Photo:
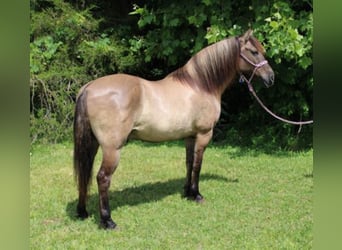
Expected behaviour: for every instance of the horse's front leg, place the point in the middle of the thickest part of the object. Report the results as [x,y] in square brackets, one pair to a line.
[200,144]
[109,163]
[189,147]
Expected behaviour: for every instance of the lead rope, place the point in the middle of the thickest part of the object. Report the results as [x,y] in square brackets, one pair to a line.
[251,89]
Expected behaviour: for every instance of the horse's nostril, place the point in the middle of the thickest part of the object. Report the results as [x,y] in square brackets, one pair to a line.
[272,78]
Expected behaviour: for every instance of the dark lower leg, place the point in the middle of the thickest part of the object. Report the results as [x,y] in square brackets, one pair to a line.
[103,181]
[194,189]
[109,163]
[201,142]
[190,144]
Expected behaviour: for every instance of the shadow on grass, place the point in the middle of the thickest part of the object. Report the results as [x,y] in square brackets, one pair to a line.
[133,196]
[238,150]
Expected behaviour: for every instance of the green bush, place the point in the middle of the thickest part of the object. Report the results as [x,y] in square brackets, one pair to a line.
[66,51]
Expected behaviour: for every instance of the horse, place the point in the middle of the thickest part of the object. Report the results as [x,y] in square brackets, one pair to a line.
[186,104]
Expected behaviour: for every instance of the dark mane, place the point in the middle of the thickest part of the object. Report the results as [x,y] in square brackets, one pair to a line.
[211,68]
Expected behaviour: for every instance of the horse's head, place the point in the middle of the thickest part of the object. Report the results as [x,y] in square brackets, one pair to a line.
[252,58]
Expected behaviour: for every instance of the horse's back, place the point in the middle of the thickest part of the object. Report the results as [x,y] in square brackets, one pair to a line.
[118,83]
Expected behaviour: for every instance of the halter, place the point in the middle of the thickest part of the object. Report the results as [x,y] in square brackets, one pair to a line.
[251,89]
[256,65]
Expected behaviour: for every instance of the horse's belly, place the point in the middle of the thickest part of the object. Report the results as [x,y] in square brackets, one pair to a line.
[162,131]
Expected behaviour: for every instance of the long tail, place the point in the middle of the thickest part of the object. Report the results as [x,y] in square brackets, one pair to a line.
[85,145]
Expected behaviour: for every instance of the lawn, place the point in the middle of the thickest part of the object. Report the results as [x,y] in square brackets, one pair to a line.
[253,200]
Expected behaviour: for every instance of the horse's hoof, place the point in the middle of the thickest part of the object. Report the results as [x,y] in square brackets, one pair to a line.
[199,199]
[82,214]
[108,224]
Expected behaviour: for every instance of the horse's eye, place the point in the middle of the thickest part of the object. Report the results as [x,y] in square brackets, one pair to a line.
[254,52]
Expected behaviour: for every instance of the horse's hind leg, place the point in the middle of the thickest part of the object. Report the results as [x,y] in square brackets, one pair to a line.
[110,161]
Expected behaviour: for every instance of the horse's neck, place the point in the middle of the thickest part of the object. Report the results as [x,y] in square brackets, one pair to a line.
[227,78]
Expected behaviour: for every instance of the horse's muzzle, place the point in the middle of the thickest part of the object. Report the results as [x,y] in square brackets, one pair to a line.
[269,81]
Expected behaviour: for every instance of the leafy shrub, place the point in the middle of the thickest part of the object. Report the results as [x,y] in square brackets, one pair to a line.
[66,51]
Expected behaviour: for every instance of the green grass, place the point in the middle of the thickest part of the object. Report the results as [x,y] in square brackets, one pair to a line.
[253,200]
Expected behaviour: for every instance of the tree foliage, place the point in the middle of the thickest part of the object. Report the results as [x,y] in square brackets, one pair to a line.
[68,49]
[73,42]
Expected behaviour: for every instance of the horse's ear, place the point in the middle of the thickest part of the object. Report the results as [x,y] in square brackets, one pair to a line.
[245,37]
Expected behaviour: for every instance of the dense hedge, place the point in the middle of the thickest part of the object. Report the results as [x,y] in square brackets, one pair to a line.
[73,42]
